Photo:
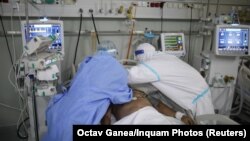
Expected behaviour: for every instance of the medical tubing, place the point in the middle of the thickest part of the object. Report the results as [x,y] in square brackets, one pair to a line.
[35,110]
[203,41]
[240,105]
[162,5]
[19,127]
[217,7]
[241,94]
[10,107]
[7,43]
[12,36]
[93,19]
[240,81]
[190,32]
[208,7]
[79,34]
[212,40]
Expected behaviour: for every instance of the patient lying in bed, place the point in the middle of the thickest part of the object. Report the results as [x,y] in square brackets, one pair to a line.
[141,111]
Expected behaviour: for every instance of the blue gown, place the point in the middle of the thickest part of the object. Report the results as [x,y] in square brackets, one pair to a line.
[100,80]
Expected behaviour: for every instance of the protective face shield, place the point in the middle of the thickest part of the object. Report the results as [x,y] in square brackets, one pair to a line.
[144,52]
[109,47]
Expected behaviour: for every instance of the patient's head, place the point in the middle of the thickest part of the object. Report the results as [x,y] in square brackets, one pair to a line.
[144,52]
[109,47]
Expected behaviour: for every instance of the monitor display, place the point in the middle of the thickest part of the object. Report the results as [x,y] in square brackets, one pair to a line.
[232,40]
[173,43]
[44,29]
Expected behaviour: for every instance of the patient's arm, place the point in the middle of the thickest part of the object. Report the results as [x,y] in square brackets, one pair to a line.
[164,109]
[122,110]
[106,119]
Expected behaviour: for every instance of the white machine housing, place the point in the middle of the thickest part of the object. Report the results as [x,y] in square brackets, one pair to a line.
[222,91]
[44,66]
[221,64]
[232,40]
[173,43]
[45,29]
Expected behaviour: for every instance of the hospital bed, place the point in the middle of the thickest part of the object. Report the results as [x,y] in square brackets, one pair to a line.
[208,119]
[211,119]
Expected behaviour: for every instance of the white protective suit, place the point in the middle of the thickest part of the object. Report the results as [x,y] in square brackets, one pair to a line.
[176,79]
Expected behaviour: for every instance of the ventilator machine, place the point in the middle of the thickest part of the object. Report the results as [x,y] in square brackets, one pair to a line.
[43,51]
[220,65]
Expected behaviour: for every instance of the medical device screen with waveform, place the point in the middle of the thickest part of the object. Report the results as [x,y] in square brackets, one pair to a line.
[173,43]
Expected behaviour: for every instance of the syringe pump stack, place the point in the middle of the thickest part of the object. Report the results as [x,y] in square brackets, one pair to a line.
[42,65]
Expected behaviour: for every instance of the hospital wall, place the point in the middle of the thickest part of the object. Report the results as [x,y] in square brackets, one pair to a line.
[110,26]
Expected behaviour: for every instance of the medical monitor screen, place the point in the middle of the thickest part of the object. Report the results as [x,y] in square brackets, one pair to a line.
[45,30]
[233,41]
[173,43]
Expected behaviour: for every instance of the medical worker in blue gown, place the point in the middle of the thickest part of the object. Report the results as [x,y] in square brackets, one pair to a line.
[100,80]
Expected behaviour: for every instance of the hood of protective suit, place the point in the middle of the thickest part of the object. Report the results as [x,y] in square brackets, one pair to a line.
[144,52]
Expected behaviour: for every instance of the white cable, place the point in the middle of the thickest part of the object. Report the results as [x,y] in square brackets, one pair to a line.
[16,74]
[12,35]
[11,68]
[20,19]
[20,96]
[23,99]
[13,47]
[10,79]
[14,52]
[18,90]
[7,106]
[22,116]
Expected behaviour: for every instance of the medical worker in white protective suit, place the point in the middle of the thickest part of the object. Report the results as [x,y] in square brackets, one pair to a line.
[173,77]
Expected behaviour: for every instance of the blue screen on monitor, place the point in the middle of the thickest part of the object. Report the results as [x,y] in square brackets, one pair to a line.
[45,30]
[233,39]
